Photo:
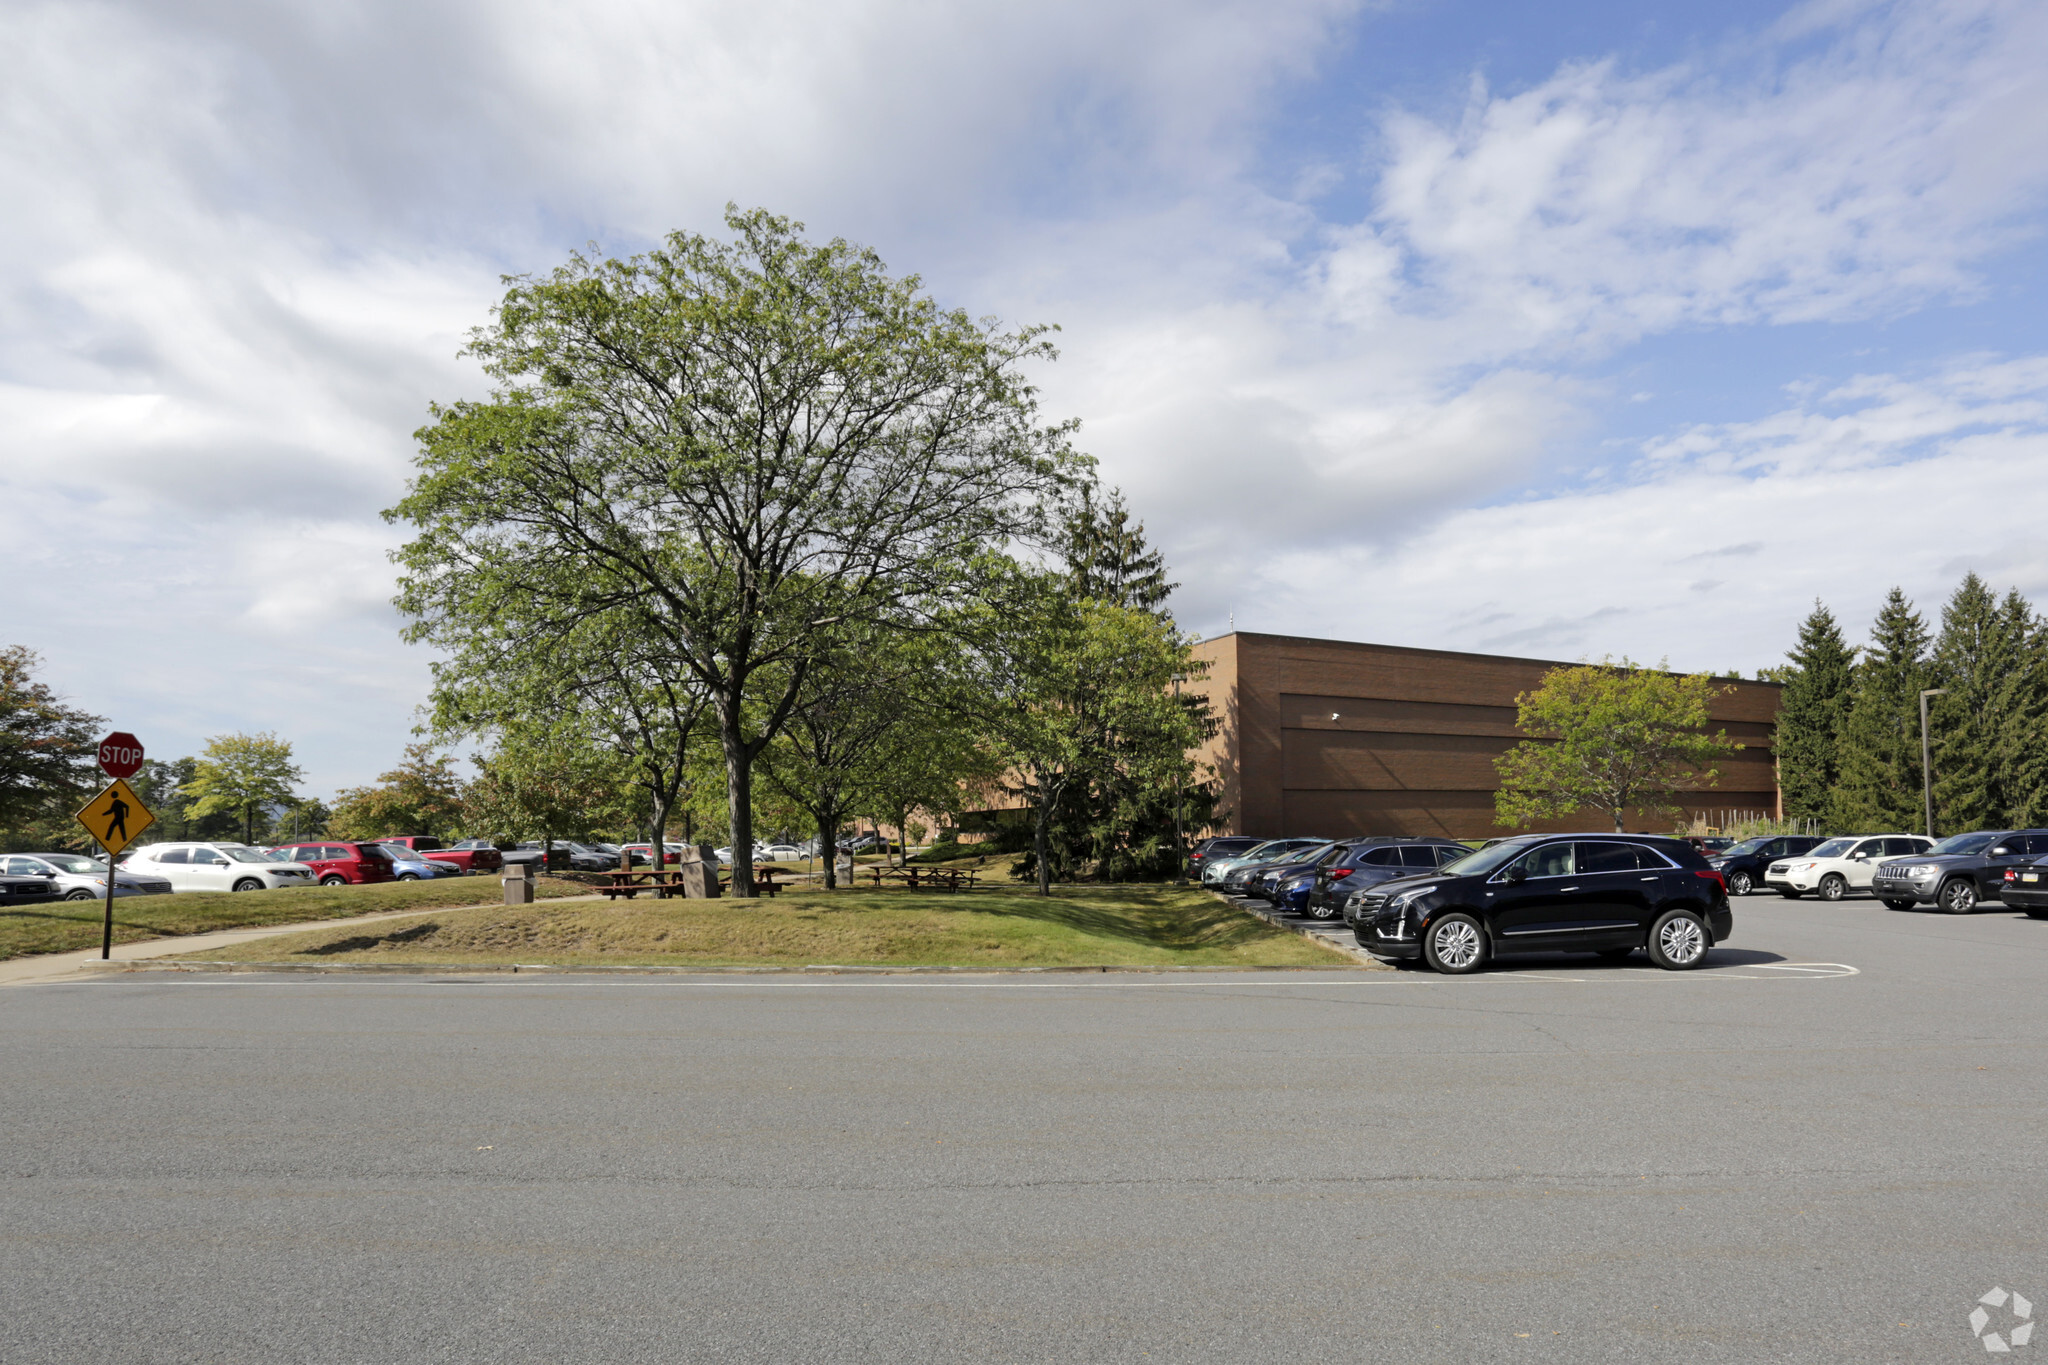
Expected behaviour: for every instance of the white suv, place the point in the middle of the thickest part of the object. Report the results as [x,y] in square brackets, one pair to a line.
[216,867]
[1840,866]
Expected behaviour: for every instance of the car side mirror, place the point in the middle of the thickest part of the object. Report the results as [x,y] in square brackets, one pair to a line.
[2000,852]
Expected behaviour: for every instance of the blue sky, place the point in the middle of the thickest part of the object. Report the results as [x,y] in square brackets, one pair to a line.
[1559,330]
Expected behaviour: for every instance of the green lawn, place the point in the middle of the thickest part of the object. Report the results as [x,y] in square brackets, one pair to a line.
[1001,927]
[61,926]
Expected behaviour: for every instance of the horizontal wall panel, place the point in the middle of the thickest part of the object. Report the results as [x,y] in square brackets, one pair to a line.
[1461,815]
[1331,760]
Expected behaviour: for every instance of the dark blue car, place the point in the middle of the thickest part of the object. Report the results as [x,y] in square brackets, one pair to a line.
[1266,883]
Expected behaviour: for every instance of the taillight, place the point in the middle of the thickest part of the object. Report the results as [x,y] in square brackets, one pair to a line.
[2012,874]
[1337,872]
[1711,876]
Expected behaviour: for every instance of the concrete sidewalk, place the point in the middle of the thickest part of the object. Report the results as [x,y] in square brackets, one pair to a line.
[23,971]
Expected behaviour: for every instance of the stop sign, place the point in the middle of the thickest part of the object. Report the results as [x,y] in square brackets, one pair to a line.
[121,754]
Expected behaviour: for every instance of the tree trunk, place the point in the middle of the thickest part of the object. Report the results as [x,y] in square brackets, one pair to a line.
[828,843]
[1038,841]
[739,799]
[657,847]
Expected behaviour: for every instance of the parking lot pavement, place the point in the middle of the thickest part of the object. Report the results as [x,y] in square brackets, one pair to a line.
[1828,1146]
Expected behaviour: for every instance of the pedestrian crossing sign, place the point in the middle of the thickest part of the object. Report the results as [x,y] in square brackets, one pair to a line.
[115,817]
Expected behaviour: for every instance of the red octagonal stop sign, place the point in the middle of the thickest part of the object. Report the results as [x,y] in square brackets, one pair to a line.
[121,754]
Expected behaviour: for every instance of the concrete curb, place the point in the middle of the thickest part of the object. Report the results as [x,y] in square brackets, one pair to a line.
[1338,936]
[555,969]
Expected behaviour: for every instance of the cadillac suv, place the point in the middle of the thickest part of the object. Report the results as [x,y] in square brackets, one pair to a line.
[1607,894]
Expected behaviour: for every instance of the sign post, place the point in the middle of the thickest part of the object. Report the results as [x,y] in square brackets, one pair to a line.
[116,816]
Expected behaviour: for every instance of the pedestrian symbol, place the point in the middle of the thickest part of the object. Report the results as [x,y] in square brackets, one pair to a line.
[115,817]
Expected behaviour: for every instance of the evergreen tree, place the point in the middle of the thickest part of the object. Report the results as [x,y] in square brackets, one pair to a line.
[1977,651]
[2020,751]
[1810,718]
[1109,560]
[1879,751]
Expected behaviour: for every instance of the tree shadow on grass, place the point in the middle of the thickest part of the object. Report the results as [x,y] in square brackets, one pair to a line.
[1156,916]
[364,942]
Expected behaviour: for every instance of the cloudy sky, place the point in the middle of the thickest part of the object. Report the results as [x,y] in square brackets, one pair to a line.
[1562,330]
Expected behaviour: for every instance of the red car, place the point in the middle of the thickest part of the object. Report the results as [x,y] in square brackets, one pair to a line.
[337,864]
[468,856]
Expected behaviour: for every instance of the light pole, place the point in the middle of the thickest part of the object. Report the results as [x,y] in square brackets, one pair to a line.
[1927,756]
[1180,839]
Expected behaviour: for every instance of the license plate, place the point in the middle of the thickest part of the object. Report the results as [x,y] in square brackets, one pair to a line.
[2030,876]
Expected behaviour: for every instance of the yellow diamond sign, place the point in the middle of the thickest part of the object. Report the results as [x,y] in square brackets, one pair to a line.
[115,817]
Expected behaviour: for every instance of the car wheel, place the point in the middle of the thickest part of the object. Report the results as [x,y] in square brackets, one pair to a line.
[1324,912]
[1959,897]
[1678,941]
[408,876]
[1740,883]
[334,879]
[1894,903]
[1455,945]
[81,894]
[1833,888]
[249,884]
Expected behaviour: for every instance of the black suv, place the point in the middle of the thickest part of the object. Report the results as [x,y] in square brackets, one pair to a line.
[1742,866]
[1367,862]
[1958,872]
[1608,894]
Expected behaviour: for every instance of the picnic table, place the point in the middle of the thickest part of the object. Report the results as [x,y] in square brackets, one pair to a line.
[667,882]
[951,878]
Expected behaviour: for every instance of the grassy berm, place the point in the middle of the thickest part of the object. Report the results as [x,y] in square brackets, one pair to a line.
[62,926]
[1109,926]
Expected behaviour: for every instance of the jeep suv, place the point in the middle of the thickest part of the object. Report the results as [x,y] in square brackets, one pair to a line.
[1960,871]
[1742,866]
[1607,894]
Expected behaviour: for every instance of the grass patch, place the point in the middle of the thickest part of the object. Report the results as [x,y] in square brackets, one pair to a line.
[62,926]
[1077,926]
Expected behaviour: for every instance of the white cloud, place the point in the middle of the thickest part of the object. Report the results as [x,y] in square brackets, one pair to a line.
[1711,544]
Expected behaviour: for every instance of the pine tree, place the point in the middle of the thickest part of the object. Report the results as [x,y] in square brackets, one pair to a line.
[2020,752]
[1109,559]
[1879,786]
[1976,652]
[1810,718]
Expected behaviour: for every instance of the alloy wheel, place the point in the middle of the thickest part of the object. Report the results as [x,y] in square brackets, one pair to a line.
[1833,888]
[1455,943]
[1959,898]
[1739,884]
[1682,940]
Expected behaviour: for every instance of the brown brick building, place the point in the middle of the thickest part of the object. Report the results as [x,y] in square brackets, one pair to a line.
[1334,738]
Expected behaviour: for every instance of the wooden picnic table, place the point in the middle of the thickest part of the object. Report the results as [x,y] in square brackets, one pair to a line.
[951,878]
[667,882]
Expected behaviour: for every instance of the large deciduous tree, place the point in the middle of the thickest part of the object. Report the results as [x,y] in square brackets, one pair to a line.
[242,775]
[1810,715]
[46,747]
[739,447]
[422,795]
[1613,736]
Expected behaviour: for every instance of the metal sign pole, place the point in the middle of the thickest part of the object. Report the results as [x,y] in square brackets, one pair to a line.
[107,929]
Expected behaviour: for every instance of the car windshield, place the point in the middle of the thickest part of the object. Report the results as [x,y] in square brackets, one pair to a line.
[243,855]
[1749,845]
[398,853]
[1833,848]
[72,862]
[1963,843]
[1485,860]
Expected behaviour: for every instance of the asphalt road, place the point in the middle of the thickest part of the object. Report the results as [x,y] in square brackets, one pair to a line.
[1566,1162]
